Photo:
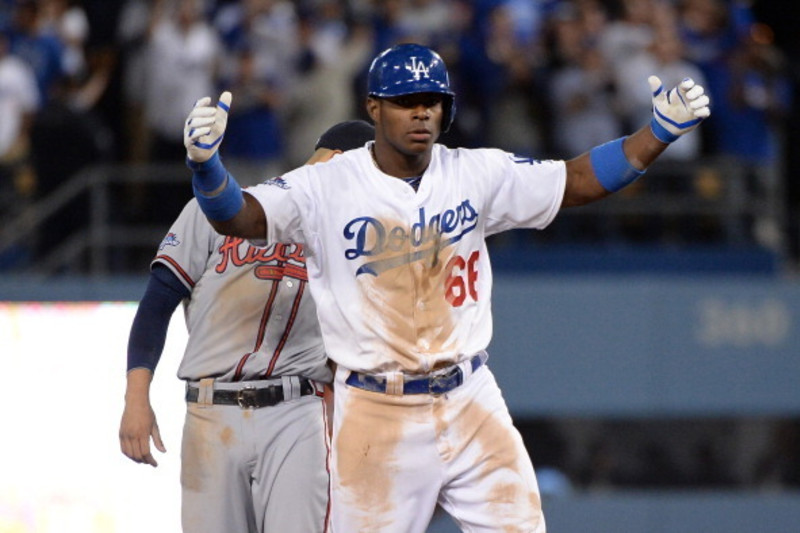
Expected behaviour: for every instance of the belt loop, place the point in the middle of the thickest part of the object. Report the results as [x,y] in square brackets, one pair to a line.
[394,383]
[291,387]
[467,365]
[466,368]
[205,392]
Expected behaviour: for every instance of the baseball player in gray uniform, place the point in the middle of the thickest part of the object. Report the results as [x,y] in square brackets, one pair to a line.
[255,441]
[398,266]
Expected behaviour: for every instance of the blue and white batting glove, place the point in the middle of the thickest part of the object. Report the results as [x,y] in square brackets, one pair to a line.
[678,111]
[205,127]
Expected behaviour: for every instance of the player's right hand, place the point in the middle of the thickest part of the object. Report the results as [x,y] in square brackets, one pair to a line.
[205,127]
[678,111]
[138,425]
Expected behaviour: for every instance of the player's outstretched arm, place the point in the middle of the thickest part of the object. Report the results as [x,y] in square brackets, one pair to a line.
[611,166]
[220,197]
[248,223]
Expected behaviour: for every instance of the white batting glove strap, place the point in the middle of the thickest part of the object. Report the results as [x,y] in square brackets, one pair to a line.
[678,111]
[205,127]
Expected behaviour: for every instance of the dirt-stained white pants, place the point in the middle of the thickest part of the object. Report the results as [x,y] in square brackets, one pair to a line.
[395,457]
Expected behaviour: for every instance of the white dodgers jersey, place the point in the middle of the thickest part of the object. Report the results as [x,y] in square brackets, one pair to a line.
[401,279]
[250,315]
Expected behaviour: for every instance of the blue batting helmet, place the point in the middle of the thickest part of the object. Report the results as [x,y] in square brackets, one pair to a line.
[410,69]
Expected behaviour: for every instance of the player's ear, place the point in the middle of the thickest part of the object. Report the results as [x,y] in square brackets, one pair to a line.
[326,154]
[372,108]
[321,155]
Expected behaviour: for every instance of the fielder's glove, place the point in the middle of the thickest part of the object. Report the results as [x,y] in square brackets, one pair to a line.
[205,127]
[677,111]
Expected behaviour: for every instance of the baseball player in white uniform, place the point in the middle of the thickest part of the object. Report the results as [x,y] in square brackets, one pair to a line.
[255,441]
[398,266]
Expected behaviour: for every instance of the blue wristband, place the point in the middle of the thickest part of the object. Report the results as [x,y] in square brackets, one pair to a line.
[661,133]
[612,168]
[208,177]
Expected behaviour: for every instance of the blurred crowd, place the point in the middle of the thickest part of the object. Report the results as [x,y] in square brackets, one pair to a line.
[756,453]
[98,81]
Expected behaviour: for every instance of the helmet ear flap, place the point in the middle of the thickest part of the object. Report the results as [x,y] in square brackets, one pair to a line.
[448,112]
[409,69]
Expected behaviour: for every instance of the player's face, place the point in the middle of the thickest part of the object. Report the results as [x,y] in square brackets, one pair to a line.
[410,123]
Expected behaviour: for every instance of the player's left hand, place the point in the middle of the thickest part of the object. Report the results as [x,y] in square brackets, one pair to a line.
[678,111]
[205,127]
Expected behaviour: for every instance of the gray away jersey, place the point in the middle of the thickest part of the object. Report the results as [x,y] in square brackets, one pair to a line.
[250,314]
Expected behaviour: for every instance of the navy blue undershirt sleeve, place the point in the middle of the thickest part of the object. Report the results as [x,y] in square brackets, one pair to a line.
[149,330]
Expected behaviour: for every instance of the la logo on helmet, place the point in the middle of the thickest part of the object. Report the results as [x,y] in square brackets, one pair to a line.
[418,68]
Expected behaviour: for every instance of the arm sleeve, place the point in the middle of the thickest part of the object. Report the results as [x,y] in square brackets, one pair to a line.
[522,192]
[285,207]
[149,330]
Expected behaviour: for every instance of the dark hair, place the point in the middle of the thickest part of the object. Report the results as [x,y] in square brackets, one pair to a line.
[346,136]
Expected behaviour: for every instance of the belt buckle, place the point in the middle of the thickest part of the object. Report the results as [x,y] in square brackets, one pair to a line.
[442,383]
[246,397]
